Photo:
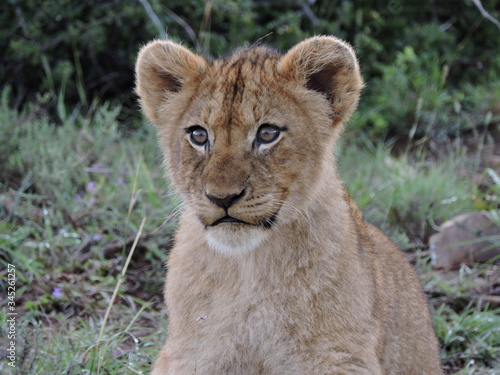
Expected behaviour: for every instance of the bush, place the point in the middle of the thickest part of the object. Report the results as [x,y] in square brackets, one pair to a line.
[80,53]
[414,97]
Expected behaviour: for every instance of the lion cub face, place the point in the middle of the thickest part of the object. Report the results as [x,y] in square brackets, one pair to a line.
[246,138]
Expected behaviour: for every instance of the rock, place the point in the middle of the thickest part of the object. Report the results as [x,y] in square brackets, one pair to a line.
[467,238]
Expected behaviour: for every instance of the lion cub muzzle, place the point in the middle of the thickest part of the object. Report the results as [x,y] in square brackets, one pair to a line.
[226,201]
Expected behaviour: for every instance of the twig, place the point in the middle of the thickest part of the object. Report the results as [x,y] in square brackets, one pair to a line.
[22,21]
[309,13]
[189,30]
[154,18]
[205,23]
[485,14]
[259,41]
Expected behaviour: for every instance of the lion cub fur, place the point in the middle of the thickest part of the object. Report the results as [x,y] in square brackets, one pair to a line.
[296,282]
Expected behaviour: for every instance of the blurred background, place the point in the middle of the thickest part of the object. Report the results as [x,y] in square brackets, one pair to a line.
[80,170]
[437,54]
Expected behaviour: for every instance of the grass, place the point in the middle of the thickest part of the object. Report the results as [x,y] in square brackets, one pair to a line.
[407,189]
[470,337]
[127,346]
[89,268]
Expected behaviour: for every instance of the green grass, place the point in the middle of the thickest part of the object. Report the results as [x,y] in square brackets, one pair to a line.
[407,189]
[67,346]
[72,199]
[471,337]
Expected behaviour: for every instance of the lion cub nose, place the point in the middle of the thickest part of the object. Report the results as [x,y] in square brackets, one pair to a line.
[226,201]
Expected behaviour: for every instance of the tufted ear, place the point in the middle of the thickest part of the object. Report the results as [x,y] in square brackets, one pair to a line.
[161,70]
[327,65]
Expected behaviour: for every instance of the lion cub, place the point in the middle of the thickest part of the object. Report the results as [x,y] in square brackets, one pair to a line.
[274,270]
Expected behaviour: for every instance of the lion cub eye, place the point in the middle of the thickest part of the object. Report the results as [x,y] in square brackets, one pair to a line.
[197,135]
[267,133]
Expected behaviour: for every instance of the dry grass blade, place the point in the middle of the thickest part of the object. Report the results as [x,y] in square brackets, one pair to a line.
[115,293]
[134,193]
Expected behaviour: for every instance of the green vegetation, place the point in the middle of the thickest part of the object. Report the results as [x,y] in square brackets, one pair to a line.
[80,171]
[415,190]
[68,228]
[418,59]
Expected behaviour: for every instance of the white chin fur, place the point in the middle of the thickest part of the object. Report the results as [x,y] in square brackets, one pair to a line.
[233,241]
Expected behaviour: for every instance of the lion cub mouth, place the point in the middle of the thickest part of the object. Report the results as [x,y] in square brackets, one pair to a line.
[229,219]
[265,223]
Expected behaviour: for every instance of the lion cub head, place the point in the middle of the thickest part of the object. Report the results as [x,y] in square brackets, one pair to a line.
[248,138]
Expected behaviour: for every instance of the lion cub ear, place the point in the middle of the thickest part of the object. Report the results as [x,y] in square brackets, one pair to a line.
[327,65]
[162,68]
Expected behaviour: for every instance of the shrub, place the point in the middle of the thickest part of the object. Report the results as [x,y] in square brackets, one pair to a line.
[85,51]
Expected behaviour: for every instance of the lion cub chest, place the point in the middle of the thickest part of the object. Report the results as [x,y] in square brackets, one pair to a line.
[249,326]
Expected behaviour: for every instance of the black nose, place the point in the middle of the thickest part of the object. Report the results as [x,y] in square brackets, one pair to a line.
[227,201]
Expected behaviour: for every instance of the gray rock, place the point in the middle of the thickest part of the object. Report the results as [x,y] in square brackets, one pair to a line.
[467,238]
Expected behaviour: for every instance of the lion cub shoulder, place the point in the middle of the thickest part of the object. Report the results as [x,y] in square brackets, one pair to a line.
[274,270]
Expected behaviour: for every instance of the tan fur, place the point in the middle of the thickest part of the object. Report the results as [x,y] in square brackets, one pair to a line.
[306,286]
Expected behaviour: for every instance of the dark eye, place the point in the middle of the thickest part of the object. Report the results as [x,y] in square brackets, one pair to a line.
[267,133]
[198,135]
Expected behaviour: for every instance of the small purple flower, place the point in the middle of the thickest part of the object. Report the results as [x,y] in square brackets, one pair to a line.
[91,186]
[96,237]
[57,292]
[78,197]
[119,182]
[97,166]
